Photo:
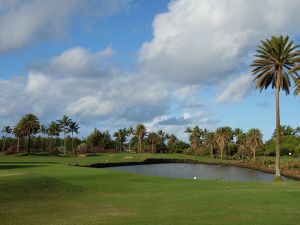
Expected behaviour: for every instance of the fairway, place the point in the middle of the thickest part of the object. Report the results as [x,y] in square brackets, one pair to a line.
[46,190]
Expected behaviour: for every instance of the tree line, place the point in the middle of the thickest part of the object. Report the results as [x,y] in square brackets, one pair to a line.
[60,137]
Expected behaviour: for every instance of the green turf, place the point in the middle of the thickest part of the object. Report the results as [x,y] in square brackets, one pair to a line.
[45,190]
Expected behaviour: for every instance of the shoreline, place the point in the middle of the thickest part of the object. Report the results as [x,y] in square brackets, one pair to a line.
[285,173]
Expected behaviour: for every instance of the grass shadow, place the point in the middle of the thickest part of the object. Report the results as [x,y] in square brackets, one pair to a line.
[18,166]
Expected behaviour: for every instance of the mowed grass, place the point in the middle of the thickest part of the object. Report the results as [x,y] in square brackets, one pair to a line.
[46,190]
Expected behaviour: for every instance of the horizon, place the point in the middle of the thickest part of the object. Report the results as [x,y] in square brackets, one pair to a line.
[118,63]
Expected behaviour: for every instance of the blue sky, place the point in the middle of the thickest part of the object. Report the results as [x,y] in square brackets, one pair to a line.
[116,63]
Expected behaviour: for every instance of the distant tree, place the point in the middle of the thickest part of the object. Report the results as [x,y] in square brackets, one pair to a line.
[140,133]
[254,140]
[6,131]
[121,138]
[153,139]
[272,66]
[242,143]
[53,131]
[64,125]
[172,143]
[106,140]
[18,134]
[195,136]
[210,141]
[95,139]
[223,137]
[43,131]
[28,126]
[73,128]
[286,130]
[237,132]
[130,132]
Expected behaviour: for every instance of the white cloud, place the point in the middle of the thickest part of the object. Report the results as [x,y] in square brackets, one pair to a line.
[236,89]
[79,62]
[203,42]
[25,22]
[77,83]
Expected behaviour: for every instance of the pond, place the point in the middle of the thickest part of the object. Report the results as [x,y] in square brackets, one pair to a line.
[200,171]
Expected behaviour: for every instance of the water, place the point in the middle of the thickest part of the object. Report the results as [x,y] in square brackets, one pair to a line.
[200,171]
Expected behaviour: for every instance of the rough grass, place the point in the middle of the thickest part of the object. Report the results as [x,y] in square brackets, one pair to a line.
[45,190]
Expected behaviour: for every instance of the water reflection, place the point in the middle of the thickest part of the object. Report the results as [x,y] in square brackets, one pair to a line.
[200,171]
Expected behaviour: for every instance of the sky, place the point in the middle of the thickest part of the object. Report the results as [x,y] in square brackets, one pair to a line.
[117,63]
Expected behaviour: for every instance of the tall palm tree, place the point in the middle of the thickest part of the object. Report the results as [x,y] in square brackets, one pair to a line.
[223,137]
[130,131]
[172,143]
[210,141]
[254,140]
[140,132]
[121,138]
[18,134]
[28,126]
[64,125]
[153,139]
[6,131]
[54,130]
[272,67]
[242,143]
[73,128]
[195,135]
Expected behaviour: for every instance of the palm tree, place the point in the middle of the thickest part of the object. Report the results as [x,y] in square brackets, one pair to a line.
[54,130]
[140,132]
[64,125]
[223,137]
[272,66]
[210,141]
[254,140]
[153,139]
[172,143]
[242,143]
[18,134]
[6,131]
[195,135]
[73,128]
[297,85]
[43,130]
[121,137]
[28,125]
[130,131]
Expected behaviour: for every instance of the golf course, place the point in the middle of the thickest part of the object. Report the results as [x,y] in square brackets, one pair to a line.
[43,189]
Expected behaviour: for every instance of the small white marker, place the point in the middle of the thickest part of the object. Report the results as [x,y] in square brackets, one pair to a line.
[195,178]
[290,153]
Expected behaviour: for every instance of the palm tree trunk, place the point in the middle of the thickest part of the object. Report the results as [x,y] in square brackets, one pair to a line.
[152,147]
[278,132]
[222,149]
[28,145]
[211,151]
[140,144]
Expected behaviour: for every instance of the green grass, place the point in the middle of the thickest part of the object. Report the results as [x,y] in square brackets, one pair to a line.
[45,190]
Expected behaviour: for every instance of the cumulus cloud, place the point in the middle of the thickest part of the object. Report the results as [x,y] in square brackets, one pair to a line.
[235,90]
[203,42]
[23,22]
[77,83]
